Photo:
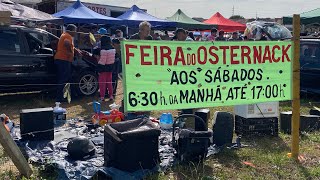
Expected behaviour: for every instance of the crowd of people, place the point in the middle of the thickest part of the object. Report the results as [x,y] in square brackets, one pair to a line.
[107,51]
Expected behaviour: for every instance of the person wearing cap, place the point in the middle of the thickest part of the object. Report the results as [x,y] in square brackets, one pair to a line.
[101,32]
[213,35]
[144,32]
[63,59]
[221,36]
[106,60]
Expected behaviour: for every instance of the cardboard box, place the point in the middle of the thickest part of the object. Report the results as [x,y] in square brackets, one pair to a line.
[5,18]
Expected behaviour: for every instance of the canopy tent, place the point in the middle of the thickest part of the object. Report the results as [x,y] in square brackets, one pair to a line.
[78,13]
[184,21]
[225,24]
[24,13]
[134,16]
[308,17]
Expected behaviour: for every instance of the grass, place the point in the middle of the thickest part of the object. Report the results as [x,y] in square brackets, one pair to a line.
[267,155]
[268,158]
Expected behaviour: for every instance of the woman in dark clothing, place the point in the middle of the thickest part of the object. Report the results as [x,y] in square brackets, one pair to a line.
[117,65]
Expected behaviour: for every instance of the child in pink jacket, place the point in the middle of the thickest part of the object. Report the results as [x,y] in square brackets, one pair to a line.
[105,67]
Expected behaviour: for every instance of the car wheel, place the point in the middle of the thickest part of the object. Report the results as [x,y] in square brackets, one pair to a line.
[87,84]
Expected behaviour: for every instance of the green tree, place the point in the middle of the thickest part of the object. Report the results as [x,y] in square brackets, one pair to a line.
[236,17]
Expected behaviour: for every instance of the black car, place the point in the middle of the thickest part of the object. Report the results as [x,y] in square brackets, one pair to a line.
[310,65]
[27,64]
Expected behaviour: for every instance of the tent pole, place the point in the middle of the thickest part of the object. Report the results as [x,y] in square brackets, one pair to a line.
[127,31]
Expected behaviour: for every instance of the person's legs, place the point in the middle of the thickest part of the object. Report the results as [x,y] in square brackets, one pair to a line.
[102,84]
[63,69]
[109,84]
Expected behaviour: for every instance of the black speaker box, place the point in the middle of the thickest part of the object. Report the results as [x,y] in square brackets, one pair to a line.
[308,123]
[314,112]
[37,124]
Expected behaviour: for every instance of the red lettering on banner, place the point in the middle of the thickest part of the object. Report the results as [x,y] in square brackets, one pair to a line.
[155,51]
[143,55]
[204,53]
[274,53]
[214,55]
[166,55]
[285,52]
[128,53]
[233,55]
[224,48]
[179,57]
[257,54]
[245,54]
[267,55]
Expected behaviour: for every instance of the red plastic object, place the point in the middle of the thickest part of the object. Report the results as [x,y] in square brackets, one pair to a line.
[103,119]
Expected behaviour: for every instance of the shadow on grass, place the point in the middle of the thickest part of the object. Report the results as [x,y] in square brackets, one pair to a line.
[268,144]
[304,171]
[192,171]
[79,106]
[228,158]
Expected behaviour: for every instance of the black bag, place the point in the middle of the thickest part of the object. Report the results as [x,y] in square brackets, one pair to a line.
[190,145]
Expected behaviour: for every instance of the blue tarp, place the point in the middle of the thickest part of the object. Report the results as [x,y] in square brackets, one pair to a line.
[134,16]
[78,13]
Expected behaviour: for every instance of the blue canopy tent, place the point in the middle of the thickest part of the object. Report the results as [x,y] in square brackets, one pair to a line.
[134,16]
[78,13]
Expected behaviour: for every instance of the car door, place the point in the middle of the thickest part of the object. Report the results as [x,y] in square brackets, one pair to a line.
[310,66]
[12,66]
[41,57]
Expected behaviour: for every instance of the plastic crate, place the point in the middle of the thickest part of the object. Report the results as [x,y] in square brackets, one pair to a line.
[256,126]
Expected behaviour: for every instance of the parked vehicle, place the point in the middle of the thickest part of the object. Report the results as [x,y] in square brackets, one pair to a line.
[310,65]
[27,64]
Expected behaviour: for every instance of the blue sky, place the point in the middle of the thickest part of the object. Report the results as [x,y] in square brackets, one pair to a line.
[206,8]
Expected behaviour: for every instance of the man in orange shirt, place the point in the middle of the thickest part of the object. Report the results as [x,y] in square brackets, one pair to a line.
[63,59]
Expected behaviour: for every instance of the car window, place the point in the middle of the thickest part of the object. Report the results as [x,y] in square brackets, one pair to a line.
[35,42]
[9,41]
[310,54]
[47,40]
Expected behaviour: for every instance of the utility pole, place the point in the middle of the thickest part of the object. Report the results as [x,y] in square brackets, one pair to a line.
[256,15]
[232,10]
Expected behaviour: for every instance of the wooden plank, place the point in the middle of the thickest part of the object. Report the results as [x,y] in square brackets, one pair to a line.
[296,88]
[13,151]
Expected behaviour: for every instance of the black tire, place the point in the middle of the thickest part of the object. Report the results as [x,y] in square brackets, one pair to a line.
[86,84]
[223,126]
